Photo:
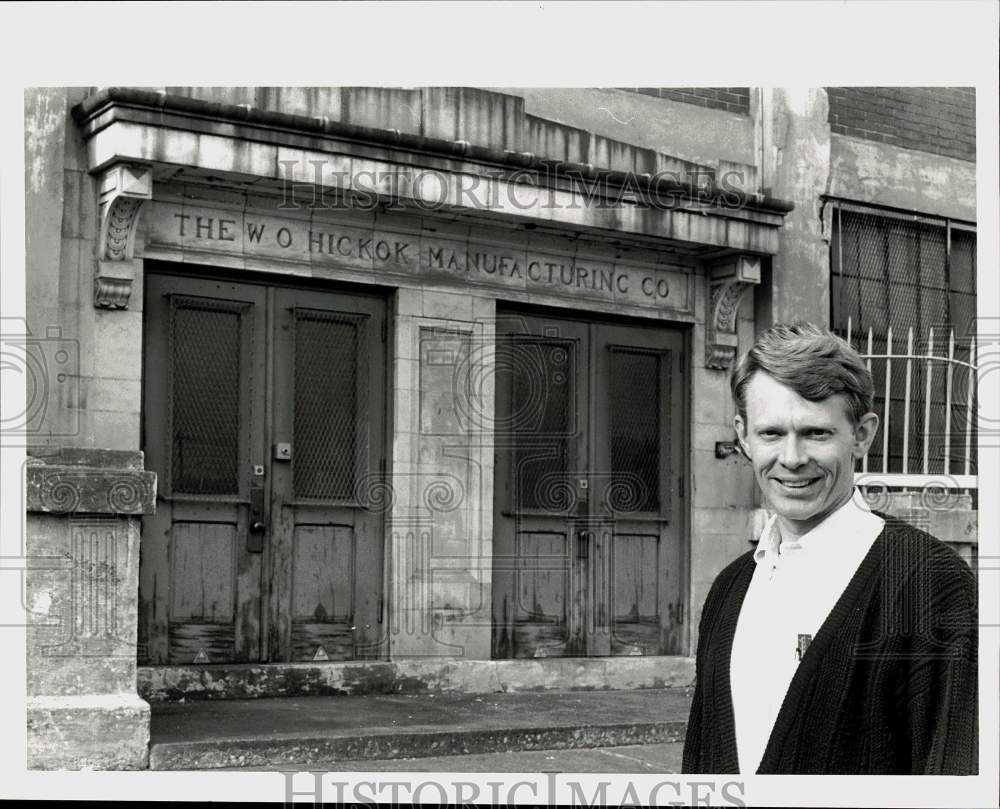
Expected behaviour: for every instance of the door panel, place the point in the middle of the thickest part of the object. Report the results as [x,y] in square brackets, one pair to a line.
[199,581]
[587,544]
[541,619]
[639,440]
[540,447]
[263,415]
[326,555]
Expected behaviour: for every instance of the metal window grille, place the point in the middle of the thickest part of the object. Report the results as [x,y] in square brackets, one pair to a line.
[903,293]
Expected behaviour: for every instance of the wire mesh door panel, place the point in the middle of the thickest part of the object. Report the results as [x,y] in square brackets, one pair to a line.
[200,575]
[325,557]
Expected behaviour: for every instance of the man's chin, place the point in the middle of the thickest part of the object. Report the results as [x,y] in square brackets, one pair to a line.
[793,509]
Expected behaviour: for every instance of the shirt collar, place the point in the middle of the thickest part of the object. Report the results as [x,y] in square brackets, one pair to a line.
[850,520]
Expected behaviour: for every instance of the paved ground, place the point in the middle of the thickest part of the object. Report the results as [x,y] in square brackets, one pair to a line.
[288,733]
[630,759]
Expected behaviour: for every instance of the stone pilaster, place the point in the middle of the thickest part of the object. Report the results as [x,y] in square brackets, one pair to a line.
[442,477]
[795,140]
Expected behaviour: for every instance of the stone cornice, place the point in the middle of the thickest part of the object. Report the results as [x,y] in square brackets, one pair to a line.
[123,104]
[89,482]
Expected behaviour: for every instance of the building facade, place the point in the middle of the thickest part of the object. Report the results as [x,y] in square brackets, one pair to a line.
[341,384]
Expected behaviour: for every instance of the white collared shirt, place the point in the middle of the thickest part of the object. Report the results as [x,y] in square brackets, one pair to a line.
[793,589]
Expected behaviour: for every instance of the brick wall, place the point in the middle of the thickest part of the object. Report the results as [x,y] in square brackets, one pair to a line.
[940,120]
[731,99]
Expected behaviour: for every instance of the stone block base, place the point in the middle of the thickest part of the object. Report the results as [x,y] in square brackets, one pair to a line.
[99,732]
[441,676]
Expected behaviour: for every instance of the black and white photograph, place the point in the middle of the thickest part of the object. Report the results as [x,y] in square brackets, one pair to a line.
[418,413]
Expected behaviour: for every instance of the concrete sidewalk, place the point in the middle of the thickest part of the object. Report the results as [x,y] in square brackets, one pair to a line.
[648,759]
[326,732]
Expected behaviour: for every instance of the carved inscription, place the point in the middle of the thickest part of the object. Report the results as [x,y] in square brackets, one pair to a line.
[446,259]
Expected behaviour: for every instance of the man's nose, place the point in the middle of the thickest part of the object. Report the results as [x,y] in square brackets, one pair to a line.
[792,455]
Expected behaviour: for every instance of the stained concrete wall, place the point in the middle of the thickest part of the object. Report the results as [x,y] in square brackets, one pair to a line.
[97,402]
[686,131]
[722,489]
[883,174]
[796,167]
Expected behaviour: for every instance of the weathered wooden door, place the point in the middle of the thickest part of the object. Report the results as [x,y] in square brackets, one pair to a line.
[264,418]
[588,551]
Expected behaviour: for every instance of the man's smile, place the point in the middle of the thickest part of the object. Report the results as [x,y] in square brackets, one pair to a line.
[796,484]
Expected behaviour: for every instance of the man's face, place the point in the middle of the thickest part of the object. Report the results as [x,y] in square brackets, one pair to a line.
[802,452]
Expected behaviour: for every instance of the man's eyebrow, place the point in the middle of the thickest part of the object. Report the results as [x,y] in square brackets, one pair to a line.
[805,428]
[813,427]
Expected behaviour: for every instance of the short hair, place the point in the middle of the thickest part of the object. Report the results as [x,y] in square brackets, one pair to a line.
[812,361]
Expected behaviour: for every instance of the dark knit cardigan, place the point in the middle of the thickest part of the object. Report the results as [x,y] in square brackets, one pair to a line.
[887,686]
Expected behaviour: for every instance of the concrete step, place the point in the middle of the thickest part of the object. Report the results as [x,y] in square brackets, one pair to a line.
[310,731]
[411,676]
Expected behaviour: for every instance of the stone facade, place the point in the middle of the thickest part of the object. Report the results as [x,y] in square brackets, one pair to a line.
[121,179]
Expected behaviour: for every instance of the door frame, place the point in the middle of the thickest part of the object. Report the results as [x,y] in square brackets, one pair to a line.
[273,281]
[684,330]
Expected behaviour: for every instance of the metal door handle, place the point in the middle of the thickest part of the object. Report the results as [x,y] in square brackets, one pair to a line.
[255,536]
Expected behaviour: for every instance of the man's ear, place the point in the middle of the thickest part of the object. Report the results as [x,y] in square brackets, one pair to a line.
[864,434]
[741,433]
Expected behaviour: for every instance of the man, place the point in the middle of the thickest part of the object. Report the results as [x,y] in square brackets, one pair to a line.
[846,642]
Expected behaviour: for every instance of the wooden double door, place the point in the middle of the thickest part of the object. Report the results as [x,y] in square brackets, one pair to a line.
[588,557]
[264,419]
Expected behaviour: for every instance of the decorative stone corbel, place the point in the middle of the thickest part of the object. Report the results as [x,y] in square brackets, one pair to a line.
[728,281]
[123,187]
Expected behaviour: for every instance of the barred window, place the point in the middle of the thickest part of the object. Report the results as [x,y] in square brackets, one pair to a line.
[911,280]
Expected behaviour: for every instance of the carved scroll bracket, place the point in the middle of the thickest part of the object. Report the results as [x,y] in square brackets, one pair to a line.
[124,187]
[728,282]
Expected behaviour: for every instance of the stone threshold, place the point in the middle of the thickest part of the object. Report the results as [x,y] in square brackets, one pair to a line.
[411,676]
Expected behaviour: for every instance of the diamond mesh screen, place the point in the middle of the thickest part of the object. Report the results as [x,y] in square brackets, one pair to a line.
[887,272]
[328,398]
[540,419]
[205,387]
[635,431]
